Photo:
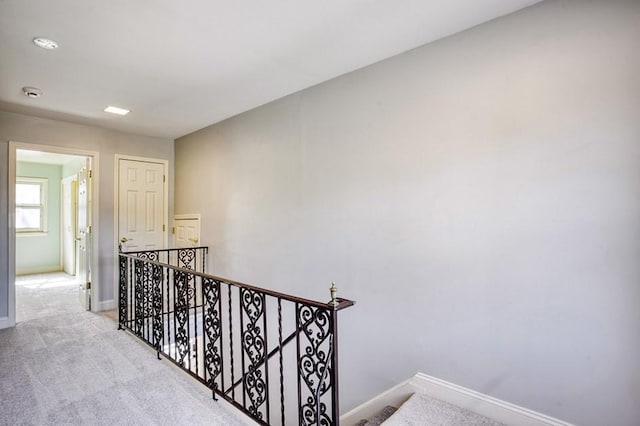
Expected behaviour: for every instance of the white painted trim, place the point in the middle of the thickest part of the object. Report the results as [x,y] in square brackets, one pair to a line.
[11,219]
[39,270]
[187,216]
[11,206]
[116,201]
[107,305]
[4,323]
[477,402]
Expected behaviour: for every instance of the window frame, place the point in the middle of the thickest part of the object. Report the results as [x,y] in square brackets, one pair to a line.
[42,207]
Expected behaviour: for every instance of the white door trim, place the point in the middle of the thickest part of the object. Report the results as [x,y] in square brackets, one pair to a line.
[116,210]
[95,161]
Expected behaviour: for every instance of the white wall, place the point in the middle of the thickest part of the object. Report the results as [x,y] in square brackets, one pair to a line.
[26,129]
[37,253]
[479,198]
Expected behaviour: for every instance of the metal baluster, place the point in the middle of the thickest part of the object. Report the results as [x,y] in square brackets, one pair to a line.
[219,284]
[335,397]
[266,362]
[233,389]
[187,282]
[243,371]
[204,334]
[130,289]
[195,317]
[145,300]
[169,310]
[299,371]
[175,343]
[122,294]
[281,360]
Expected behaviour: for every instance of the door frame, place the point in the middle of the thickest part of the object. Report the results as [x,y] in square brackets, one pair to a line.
[11,206]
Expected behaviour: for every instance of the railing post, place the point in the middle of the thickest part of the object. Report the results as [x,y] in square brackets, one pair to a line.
[122,294]
[335,397]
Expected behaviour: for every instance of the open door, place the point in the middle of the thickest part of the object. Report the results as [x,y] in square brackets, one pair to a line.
[83,237]
[68,231]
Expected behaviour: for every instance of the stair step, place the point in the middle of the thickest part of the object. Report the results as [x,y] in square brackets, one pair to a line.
[423,409]
[379,418]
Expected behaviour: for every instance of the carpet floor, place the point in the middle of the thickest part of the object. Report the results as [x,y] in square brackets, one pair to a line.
[76,368]
[422,410]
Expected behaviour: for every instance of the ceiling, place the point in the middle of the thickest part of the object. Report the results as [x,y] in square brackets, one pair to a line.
[46,157]
[180,66]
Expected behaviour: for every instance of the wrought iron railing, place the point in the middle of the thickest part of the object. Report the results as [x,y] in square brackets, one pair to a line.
[272,355]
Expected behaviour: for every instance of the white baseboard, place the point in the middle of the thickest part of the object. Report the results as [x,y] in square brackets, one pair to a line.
[477,402]
[37,270]
[106,305]
[5,323]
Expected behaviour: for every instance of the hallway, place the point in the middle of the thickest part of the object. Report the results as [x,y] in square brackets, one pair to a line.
[43,295]
[63,365]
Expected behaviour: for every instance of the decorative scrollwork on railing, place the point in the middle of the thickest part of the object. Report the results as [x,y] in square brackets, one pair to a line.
[122,299]
[254,348]
[158,327]
[147,291]
[138,296]
[193,318]
[181,313]
[314,347]
[212,331]
[149,255]
[186,258]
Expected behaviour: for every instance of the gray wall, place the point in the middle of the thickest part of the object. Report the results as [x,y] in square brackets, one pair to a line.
[41,253]
[479,198]
[26,129]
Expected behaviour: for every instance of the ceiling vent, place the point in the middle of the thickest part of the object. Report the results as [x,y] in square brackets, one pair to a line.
[32,92]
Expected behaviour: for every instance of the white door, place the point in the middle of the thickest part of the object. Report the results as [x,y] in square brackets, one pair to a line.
[69,212]
[83,250]
[141,218]
[186,231]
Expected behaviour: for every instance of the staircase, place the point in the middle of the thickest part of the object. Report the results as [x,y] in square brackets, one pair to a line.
[425,400]
[422,409]
[379,417]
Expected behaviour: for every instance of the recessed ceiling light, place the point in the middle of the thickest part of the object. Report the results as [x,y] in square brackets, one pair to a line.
[45,43]
[116,110]
[32,92]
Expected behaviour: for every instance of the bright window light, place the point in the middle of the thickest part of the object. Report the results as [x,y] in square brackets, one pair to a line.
[31,204]
[116,110]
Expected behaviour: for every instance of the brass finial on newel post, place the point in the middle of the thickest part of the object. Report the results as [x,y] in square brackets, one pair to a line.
[334,293]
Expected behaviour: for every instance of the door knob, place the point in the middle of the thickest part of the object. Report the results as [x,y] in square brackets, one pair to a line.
[125,239]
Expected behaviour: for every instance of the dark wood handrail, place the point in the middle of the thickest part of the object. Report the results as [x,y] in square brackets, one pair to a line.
[341,303]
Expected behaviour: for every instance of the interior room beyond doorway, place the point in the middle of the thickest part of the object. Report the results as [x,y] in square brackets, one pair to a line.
[47,233]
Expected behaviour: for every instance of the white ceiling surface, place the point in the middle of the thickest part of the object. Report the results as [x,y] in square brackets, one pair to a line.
[180,66]
[46,157]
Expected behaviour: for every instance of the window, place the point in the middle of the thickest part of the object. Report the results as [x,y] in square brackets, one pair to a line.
[31,204]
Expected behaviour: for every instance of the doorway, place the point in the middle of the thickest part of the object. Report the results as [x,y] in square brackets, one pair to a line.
[51,237]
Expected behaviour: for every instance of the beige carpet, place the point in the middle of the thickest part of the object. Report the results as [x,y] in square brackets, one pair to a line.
[76,368]
[44,295]
[422,410]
